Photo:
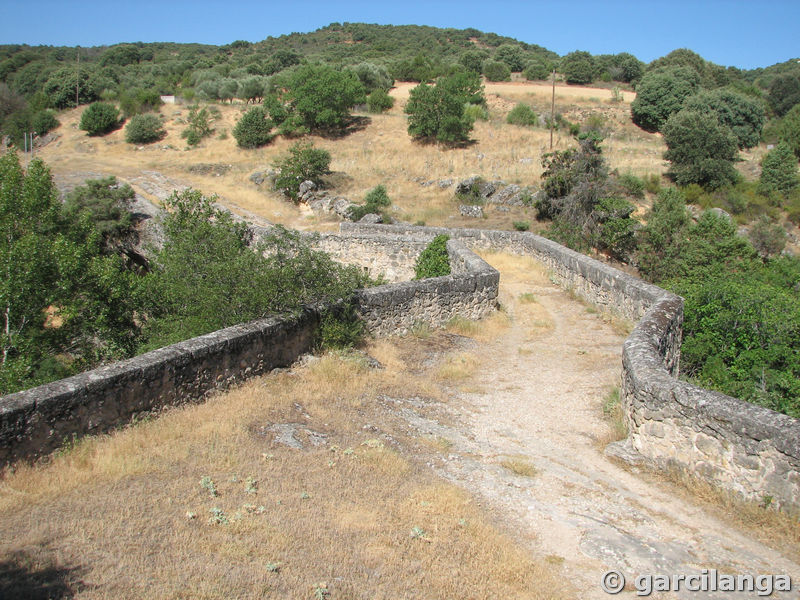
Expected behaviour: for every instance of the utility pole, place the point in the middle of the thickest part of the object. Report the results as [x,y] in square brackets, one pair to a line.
[77,76]
[553,110]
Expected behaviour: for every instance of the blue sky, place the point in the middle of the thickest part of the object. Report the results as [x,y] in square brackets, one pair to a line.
[742,33]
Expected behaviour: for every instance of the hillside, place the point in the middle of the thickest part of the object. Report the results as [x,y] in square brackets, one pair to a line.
[380,153]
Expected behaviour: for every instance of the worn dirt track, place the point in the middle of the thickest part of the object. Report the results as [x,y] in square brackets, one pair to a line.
[538,400]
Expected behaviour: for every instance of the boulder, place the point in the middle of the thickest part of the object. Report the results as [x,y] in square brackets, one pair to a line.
[471,210]
[306,188]
[371,219]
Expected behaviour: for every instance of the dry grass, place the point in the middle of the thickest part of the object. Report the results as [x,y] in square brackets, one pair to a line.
[380,153]
[484,330]
[519,465]
[615,416]
[457,367]
[777,530]
[126,516]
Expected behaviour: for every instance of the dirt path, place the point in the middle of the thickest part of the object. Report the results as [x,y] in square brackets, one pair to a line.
[538,402]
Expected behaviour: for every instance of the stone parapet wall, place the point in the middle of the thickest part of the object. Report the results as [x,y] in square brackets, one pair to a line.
[744,448]
[37,421]
[392,257]
[469,291]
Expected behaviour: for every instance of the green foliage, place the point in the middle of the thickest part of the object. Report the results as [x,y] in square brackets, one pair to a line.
[473,60]
[578,67]
[537,70]
[53,264]
[522,114]
[375,202]
[659,94]
[673,248]
[522,225]
[578,200]
[625,67]
[433,261]
[744,115]
[789,131]
[373,77]
[419,69]
[742,337]
[768,238]
[139,101]
[496,71]
[207,276]
[60,87]
[198,125]
[779,171]
[144,129]
[122,55]
[252,89]
[437,112]
[701,150]
[784,93]
[303,163]
[512,55]
[379,101]
[340,328]
[43,122]
[631,185]
[106,204]
[613,231]
[323,96]
[254,129]
[476,112]
[653,183]
[99,118]
[658,244]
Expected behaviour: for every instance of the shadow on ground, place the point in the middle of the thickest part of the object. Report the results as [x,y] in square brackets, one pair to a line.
[25,577]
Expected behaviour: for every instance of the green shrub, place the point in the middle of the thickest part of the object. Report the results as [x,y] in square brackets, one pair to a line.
[790,129]
[701,150]
[744,115]
[144,129]
[476,112]
[496,71]
[473,195]
[512,55]
[522,114]
[784,93]
[303,163]
[138,101]
[322,96]
[379,101]
[536,71]
[522,225]
[779,170]
[653,183]
[99,118]
[768,238]
[615,227]
[437,111]
[254,129]
[661,93]
[340,328]
[632,185]
[44,121]
[433,261]
[578,67]
[208,276]
[199,125]
[373,77]
[375,202]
